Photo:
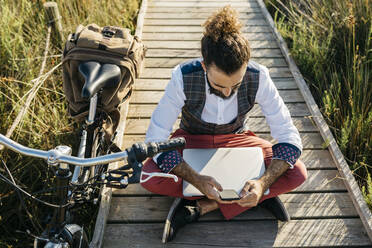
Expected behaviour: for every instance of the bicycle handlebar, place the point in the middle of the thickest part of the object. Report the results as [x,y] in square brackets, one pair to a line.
[143,150]
[53,156]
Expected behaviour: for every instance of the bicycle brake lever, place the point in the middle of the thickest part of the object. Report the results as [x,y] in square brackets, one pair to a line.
[157,174]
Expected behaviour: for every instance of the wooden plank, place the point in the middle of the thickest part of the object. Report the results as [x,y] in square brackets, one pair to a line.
[322,180]
[243,16]
[145,110]
[172,62]
[177,36]
[195,53]
[198,22]
[199,10]
[157,13]
[196,29]
[218,1]
[313,205]
[155,96]
[351,184]
[265,233]
[188,4]
[165,73]
[196,44]
[309,140]
[317,180]
[317,159]
[317,205]
[138,126]
[155,209]
[209,1]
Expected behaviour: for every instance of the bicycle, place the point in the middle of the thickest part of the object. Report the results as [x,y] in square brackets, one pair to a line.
[62,234]
[91,164]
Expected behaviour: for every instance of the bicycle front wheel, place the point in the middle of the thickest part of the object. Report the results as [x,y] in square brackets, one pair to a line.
[72,236]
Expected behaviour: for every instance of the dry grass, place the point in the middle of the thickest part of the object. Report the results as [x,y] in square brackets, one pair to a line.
[330,41]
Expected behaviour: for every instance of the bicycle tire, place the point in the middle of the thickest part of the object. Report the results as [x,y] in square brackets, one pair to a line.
[71,234]
[97,149]
[94,147]
[75,236]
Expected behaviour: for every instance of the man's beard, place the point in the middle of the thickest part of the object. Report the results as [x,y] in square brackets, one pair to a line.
[219,93]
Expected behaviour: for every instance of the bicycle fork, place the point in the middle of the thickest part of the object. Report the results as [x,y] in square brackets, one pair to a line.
[63,176]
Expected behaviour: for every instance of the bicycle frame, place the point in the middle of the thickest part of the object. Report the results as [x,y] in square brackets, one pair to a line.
[86,134]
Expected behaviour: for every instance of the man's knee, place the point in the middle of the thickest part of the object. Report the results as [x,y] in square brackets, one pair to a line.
[298,174]
[152,184]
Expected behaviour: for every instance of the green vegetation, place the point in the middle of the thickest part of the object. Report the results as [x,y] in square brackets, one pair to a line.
[330,40]
[23,31]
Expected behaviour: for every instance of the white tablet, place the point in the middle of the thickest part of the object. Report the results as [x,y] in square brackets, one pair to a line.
[231,167]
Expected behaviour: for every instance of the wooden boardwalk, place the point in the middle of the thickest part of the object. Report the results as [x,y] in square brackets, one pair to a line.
[321,209]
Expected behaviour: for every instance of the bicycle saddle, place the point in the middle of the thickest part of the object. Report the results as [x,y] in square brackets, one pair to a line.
[98,76]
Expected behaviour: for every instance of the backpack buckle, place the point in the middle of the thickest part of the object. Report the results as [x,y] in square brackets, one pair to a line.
[107,32]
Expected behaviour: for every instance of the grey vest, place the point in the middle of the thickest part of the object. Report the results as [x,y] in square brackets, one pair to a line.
[194,89]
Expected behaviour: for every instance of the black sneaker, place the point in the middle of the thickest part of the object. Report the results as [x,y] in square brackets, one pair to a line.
[276,207]
[181,212]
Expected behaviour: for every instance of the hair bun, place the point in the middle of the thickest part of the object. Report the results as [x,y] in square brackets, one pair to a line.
[223,22]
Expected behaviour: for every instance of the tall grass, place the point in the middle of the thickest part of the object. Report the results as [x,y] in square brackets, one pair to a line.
[330,41]
[23,31]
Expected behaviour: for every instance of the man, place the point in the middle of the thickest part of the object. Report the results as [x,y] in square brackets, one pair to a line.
[215,94]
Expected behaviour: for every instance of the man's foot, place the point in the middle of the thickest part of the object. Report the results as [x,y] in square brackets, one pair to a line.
[181,212]
[276,207]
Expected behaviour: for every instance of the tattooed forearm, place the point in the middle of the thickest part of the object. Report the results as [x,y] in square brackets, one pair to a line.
[274,171]
[187,173]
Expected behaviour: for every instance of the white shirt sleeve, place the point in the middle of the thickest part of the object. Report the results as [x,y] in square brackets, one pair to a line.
[168,109]
[276,112]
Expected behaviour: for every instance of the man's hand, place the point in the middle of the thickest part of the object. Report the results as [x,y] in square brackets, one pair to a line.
[251,194]
[253,190]
[208,185]
[205,184]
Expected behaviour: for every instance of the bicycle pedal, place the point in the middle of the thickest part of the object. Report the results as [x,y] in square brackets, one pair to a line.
[116,185]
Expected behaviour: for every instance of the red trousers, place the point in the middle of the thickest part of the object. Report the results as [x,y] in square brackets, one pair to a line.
[290,180]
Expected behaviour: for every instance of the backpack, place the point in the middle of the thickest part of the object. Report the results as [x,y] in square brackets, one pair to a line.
[113,45]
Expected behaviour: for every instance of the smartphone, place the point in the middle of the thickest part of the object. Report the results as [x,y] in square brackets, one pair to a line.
[228,195]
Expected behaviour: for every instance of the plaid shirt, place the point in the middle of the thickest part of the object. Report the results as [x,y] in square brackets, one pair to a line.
[194,89]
